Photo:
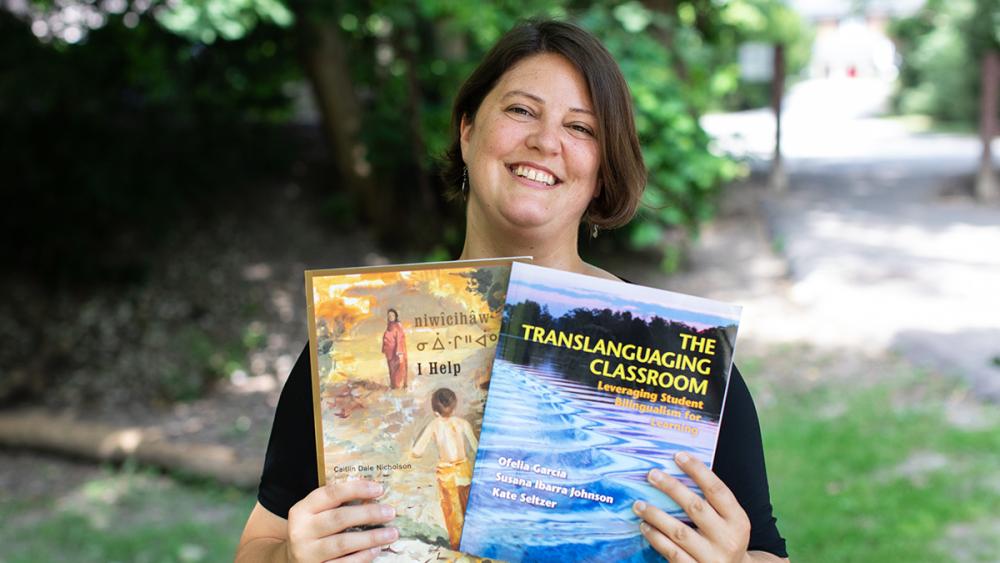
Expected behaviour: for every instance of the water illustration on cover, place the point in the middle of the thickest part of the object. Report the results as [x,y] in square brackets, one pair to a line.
[401,365]
[595,382]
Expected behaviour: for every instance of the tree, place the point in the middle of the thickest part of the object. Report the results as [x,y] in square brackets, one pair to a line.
[939,44]
[984,37]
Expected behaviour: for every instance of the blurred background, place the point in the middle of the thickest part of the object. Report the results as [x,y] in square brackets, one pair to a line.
[168,169]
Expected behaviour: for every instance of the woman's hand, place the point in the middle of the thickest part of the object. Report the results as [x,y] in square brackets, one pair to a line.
[723,529]
[316,524]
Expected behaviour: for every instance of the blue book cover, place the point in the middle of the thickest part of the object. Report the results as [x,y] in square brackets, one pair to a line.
[595,382]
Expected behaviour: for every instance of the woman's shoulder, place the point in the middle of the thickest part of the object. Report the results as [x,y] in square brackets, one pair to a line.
[592,270]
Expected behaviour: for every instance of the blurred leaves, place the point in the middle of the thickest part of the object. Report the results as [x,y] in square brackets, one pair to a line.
[109,143]
[205,20]
[764,21]
[156,105]
[415,55]
[938,47]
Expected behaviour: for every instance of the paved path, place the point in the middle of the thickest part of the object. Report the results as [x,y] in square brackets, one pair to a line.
[881,245]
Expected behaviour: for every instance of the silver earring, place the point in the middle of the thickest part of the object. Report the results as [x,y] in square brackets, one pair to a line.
[465,182]
[593,232]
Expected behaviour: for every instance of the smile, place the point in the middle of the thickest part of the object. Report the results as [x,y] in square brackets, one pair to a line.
[533,174]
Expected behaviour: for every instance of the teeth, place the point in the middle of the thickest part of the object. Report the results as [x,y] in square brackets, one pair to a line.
[536,175]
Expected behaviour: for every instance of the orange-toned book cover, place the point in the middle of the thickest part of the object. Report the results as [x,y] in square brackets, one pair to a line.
[401,359]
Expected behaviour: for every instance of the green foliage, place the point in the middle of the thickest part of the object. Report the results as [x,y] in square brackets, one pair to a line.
[983,28]
[407,61]
[110,142]
[939,45]
[148,118]
[769,21]
[206,20]
[416,55]
[763,21]
[206,361]
[683,173]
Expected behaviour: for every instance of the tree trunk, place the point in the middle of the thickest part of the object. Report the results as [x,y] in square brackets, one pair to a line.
[42,430]
[324,58]
[778,180]
[666,36]
[987,188]
[418,147]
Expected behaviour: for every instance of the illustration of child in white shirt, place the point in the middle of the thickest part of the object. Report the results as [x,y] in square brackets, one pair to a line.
[454,470]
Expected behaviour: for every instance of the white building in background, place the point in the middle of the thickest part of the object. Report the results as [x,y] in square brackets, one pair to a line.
[851,40]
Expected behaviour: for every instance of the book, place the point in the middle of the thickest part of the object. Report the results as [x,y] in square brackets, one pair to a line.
[595,383]
[401,361]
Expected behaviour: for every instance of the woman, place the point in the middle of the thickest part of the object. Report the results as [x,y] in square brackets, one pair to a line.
[543,140]
[394,348]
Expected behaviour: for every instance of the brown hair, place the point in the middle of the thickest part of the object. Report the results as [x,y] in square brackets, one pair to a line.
[443,401]
[622,176]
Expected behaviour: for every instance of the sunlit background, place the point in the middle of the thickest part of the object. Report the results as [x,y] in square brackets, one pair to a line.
[168,169]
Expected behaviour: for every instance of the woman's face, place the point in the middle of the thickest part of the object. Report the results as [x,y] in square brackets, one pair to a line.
[531,149]
[392,316]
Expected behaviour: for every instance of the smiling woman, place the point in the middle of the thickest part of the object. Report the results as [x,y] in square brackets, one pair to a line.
[543,131]
[533,160]
[543,140]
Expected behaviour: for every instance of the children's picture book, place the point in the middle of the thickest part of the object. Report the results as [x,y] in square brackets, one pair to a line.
[401,360]
[595,383]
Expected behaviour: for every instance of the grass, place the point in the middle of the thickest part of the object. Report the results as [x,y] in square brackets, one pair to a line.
[879,470]
[126,515]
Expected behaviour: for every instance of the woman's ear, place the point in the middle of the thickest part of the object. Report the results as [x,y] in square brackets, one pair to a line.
[465,131]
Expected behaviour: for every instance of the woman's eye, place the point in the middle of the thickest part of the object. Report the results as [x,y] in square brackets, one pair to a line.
[520,110]
[582,129]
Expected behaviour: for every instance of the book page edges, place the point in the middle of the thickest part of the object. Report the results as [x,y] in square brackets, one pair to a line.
[314,368]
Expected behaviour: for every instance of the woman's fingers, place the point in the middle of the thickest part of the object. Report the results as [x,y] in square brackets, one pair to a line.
[363,556]
[701,513]
[356,545]
[339,519]
[664,545]
[334,494]
[723,528]
[316,524]
[717,493]
[680,535]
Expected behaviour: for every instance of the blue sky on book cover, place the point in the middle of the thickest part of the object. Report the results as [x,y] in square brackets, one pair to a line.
[595,382]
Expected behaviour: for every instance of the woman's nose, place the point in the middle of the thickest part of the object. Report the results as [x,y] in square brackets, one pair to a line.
[545,138]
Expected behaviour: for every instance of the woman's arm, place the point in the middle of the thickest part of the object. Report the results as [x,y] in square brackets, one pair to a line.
[765,557]
[316,527]
[264,538]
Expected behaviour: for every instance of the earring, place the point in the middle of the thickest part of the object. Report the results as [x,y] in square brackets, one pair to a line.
[465,182]
[593,232]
